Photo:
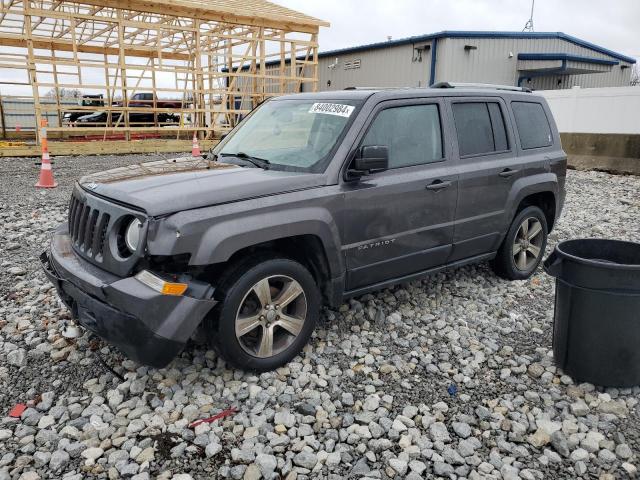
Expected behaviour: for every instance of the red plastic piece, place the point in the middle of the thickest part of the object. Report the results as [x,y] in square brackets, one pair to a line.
[218,416]
[18,410]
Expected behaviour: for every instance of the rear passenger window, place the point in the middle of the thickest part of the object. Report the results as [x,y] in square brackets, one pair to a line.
[533,126]
[412,134]
[480,127]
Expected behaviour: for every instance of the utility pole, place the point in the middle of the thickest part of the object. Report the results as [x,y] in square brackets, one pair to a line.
[528,27]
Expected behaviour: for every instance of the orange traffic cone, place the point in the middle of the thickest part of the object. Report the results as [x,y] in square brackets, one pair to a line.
[46,173]
[195,149]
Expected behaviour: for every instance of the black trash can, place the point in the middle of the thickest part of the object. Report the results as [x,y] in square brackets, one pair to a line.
[596,329]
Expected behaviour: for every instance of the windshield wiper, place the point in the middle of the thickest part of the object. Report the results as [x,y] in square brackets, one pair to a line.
[257,161]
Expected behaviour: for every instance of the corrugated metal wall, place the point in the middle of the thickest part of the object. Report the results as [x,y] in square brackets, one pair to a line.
[397,66]
[21,112]
[490,62]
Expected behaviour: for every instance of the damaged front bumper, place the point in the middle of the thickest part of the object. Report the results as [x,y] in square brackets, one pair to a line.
[145,325]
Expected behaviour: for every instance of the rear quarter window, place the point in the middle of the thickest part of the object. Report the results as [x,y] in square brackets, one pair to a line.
[533,125]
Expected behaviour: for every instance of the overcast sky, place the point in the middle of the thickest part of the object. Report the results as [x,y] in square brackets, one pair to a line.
[613,24]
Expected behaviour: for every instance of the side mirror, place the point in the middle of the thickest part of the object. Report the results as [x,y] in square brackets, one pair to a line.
[372,158]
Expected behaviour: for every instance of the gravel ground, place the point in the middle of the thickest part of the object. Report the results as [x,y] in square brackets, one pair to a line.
[447,377]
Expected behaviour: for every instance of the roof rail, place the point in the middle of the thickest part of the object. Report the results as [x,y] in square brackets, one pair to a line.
[480,85]
[369,88]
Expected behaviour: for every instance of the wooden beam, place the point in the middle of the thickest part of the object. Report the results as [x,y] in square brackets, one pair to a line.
[39,43]
[108,147]
[199,11]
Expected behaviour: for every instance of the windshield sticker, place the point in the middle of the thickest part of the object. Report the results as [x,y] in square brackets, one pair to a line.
[332,109]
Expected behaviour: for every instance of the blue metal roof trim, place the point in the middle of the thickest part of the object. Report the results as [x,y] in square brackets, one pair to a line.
[565,57]
[475,34]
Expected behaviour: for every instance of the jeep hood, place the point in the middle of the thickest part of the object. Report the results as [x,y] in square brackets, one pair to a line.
[168,186]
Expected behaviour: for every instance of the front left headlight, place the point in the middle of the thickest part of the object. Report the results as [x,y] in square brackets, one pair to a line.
[132,235]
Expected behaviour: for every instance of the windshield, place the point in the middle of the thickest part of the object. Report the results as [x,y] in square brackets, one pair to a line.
[294,135]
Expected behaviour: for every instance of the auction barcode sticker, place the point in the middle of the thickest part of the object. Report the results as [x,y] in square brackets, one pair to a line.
[332,109]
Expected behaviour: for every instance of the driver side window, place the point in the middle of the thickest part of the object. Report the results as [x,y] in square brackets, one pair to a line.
[412,134]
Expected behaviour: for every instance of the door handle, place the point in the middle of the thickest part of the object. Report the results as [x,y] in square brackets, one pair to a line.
[438,185]
[507,172]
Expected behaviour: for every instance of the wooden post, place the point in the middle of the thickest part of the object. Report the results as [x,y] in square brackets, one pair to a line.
[155,95]
[107,100]
[254,53]
[31,65]
[4,124]
[198,95]
[263,67]
[314,39]
[57,86]
[230,100]
[283,63]
[293,65]
[123,75]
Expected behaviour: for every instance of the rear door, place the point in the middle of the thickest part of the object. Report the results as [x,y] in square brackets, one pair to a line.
[488,167]
[400,221]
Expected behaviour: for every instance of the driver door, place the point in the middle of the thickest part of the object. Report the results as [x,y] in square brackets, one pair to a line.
[400,221]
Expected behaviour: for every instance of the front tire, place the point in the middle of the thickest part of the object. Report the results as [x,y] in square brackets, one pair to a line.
[268,309]
[523,247]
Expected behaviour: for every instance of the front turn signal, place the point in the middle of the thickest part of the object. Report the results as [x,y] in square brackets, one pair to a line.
[160,285]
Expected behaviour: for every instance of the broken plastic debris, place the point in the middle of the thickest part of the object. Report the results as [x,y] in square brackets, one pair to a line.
[218,416]
[71,331]
[452,389]
[18,410]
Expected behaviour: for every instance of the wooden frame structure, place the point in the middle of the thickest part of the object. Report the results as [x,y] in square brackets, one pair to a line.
[206,63]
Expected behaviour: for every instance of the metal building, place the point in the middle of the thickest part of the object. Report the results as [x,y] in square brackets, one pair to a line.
[537,60]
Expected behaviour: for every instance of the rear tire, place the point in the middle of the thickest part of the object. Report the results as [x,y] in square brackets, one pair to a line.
[267,312]
[523,247]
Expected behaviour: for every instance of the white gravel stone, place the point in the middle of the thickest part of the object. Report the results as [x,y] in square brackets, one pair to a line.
[463,430]
[579,454]
[267,464]
[306,459]
[439,432]
[17,357]
[366,399]
[92,453]
[399,466]
[285,417]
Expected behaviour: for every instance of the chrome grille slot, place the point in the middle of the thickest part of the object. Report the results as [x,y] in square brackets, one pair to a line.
[91,228]
[76,220]
[100,235]
[83,225]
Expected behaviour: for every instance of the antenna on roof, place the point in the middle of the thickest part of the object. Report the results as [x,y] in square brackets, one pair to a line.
[528,27]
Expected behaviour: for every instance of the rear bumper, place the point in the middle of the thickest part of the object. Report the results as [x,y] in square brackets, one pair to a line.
[145,325]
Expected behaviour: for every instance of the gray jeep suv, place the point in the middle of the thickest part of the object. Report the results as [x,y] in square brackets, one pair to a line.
[312,199]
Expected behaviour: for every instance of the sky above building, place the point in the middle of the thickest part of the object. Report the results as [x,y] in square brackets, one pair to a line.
[614,24]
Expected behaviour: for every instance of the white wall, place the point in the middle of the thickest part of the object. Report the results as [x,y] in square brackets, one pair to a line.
[595,110]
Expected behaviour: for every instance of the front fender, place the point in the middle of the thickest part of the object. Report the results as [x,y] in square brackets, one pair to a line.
[215,240]
[224,239]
